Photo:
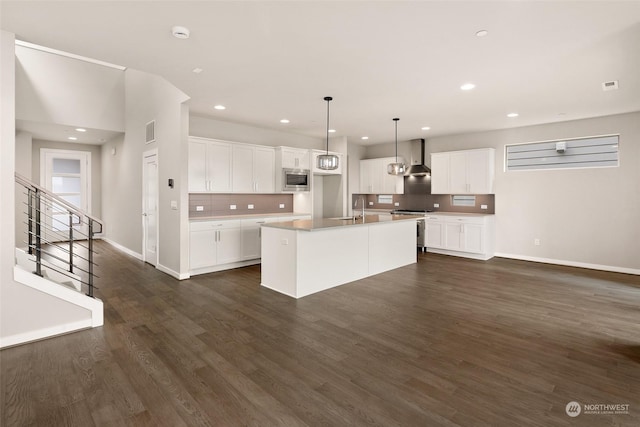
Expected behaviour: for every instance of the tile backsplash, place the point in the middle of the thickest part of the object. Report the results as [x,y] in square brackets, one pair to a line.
[206,205]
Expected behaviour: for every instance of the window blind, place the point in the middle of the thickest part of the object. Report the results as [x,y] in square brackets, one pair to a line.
[599,151]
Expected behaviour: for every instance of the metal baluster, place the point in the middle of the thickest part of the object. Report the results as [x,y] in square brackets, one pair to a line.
[38,236]
[90,221]
[70,242]
[30,220]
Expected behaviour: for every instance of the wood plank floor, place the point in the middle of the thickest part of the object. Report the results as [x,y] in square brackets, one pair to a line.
[444,342]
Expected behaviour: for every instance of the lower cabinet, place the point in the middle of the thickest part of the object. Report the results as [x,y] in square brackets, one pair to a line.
[469,236]
[224,244]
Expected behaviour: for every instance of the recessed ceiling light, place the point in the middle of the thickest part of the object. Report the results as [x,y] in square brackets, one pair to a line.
[285,121]
[332,130]
[72,138]
[80,130]
[512,115]
[180,32]
[482,33]
[425,128]
[364,137]
[197,70]
[220,107]
[467,86]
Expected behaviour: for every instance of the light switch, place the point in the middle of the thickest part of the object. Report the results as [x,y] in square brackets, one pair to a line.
[199,208]
[249,206]
[174,205]
[232,207]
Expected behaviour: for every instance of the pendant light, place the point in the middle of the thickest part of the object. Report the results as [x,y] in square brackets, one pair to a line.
[328,161]
[396,168]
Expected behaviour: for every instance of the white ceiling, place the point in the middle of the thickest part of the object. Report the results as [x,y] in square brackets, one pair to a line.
[271,60]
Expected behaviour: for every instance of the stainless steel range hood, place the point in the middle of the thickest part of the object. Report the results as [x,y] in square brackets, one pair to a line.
[418,169]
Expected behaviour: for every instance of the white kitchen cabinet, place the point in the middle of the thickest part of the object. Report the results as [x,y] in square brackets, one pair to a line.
[293,158]
[212,243]
[209,166]
[253,169]
[463,172]
[317,171]
[374,178]
[465,235]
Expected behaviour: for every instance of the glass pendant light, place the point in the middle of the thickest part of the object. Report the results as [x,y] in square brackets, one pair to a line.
[328,161]
[396,168]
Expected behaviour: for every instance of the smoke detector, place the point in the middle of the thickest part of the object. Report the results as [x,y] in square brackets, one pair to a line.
[612,85]
[180,32]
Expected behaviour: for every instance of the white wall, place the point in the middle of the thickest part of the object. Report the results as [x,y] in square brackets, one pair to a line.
[235,132]
[24,311]
[581,216]
[23,155]
[149,97]
[57,89]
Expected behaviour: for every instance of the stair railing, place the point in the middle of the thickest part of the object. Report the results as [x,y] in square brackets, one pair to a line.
[59,236]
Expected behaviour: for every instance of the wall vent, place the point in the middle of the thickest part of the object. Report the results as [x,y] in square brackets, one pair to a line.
[612,85]
[150,134]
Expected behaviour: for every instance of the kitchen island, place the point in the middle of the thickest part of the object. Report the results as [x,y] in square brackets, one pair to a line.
[303,257]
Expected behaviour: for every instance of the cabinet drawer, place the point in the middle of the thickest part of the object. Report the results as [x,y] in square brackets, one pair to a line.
[214,225]
[466,220]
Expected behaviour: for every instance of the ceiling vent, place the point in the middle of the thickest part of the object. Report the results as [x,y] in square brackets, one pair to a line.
[150,134]
[612,85]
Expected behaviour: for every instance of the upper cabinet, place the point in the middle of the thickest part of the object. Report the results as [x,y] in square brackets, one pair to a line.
[463,172]
[318,171]
[293,158]
[374,178]
[253,169]
[209,166]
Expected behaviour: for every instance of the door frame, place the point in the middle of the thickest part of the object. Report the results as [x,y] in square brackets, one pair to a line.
[145,155]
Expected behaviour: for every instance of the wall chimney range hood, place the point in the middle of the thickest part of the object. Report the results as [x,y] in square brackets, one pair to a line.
[419,169]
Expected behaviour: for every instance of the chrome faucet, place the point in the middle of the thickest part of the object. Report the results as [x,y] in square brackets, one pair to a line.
[355,204]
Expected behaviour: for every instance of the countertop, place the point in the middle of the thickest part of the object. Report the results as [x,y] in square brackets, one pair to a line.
[328,223]
[248,216]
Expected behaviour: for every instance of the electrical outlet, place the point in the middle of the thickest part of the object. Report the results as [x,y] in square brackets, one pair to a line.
[483,207]
[370,203]
[199,208]
[233,207]
[284,242]
[436,205]
[536,242]
[249,206]
[396,204]
[281,205]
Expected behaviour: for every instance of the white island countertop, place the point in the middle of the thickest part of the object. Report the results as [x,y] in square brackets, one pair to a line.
[326,223]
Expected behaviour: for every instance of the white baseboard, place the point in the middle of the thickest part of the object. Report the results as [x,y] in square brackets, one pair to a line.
[612,268]
[122,248]
[173,273]
[481,257]
[222,267]
[40,334]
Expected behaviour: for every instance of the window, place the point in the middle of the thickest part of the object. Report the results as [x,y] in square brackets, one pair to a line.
[597,151]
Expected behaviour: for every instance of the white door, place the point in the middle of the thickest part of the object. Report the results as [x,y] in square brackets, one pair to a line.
[150,207]
[66,174]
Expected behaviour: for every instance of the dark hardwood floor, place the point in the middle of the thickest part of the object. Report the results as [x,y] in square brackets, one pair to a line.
[444,342]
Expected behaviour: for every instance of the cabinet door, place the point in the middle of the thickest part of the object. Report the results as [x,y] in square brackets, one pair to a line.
[242,169]
[219,166]
[197,167]
[473,238]
[251,242]
[390,184]
[440,173]
[264,161]
[480,171]
[229,245]
[434,234]
[453,236]
[458,182]
[295,159]
[366,176]
[202,248]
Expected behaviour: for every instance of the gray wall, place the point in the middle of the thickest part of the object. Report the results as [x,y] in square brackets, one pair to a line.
[149,97]
[56,89]
[588,216]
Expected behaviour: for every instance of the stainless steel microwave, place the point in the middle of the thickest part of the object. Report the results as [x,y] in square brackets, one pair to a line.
[296,180]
